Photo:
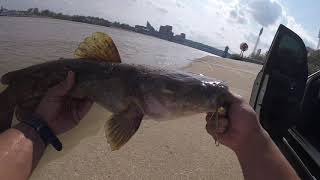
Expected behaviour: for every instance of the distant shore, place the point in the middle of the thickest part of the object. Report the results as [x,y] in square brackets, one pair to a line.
[165,32]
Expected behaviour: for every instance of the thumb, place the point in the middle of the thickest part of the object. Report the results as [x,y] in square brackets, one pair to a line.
[236,98]
[63,88]
[84,107]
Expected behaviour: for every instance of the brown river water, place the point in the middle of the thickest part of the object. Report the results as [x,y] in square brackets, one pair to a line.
[25,41]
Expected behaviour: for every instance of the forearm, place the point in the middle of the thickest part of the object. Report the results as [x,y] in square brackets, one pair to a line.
[20,150]
[261,159]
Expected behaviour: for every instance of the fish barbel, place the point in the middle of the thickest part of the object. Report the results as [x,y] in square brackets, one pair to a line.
[130,92]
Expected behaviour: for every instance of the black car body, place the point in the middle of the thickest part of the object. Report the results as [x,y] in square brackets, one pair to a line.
[287,101]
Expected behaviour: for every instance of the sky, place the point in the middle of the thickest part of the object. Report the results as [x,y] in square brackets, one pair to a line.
[218,23]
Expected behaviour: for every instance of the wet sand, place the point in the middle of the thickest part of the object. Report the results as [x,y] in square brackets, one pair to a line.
[177,149]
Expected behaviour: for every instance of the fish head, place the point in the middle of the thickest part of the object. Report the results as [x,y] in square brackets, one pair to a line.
[208,96]
[194,96]
[218,94]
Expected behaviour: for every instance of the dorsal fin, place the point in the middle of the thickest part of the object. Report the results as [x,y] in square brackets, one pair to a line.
[98,46]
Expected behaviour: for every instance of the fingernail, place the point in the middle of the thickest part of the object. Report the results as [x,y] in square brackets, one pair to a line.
[70,73]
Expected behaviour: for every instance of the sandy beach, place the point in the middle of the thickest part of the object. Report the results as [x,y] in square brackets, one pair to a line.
[177,149]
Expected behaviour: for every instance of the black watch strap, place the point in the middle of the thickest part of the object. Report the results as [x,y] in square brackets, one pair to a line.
[44,131]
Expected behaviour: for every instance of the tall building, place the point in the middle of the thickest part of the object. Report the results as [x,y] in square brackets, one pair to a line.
[258,52]
[183,35]
[150,27]
[166,32]
[257,42]
[2,9]
[180,37]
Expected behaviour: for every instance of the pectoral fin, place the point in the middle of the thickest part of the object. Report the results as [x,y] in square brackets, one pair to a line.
[122,126]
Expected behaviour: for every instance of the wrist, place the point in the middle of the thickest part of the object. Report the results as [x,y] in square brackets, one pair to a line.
[33,146]
[260,139]
[45,133]
[31,134]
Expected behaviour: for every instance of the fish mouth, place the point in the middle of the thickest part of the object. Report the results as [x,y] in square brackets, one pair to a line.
[219,121]
[218,114]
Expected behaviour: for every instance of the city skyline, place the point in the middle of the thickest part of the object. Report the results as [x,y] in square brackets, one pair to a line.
[213,22]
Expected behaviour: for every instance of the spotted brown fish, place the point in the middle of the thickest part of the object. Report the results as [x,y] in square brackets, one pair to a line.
[131,92]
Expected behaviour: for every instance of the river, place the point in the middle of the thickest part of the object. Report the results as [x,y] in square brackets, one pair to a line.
[25,41]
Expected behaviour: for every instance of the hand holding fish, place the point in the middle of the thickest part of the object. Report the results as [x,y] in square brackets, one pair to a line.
[259,157]
[243,124]
[61,112]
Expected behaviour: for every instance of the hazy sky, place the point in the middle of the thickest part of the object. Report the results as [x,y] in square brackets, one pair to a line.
[214,22]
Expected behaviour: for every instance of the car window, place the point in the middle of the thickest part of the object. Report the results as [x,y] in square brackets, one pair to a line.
[290,47]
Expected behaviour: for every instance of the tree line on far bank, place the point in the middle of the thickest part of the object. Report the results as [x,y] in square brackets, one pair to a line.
[76,18]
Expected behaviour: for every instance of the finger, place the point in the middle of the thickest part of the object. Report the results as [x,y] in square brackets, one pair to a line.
[63,88]
[74,113]
[220,125]
[236,98]
[83,108]
[22,110]
[209,116]
[20,113]
[210,129]
[216,134]
[221,114]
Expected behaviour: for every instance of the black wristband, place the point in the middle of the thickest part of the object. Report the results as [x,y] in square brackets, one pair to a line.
[44,131]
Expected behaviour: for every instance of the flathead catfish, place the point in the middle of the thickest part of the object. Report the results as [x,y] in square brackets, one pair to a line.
[131,92]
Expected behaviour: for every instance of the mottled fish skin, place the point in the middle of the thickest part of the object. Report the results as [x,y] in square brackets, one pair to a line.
[129,91]
[158,92]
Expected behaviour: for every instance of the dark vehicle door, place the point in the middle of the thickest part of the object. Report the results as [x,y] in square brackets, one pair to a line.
[279,87]
[277,97]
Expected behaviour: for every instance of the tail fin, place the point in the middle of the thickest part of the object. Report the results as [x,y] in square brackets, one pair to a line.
[6,110]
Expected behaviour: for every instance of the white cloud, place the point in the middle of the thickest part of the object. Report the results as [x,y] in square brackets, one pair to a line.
[265,12]
[305,35]
[268,14]
[238,16]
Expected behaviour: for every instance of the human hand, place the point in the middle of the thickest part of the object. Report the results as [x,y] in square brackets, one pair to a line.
[60,111]
[242,122]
